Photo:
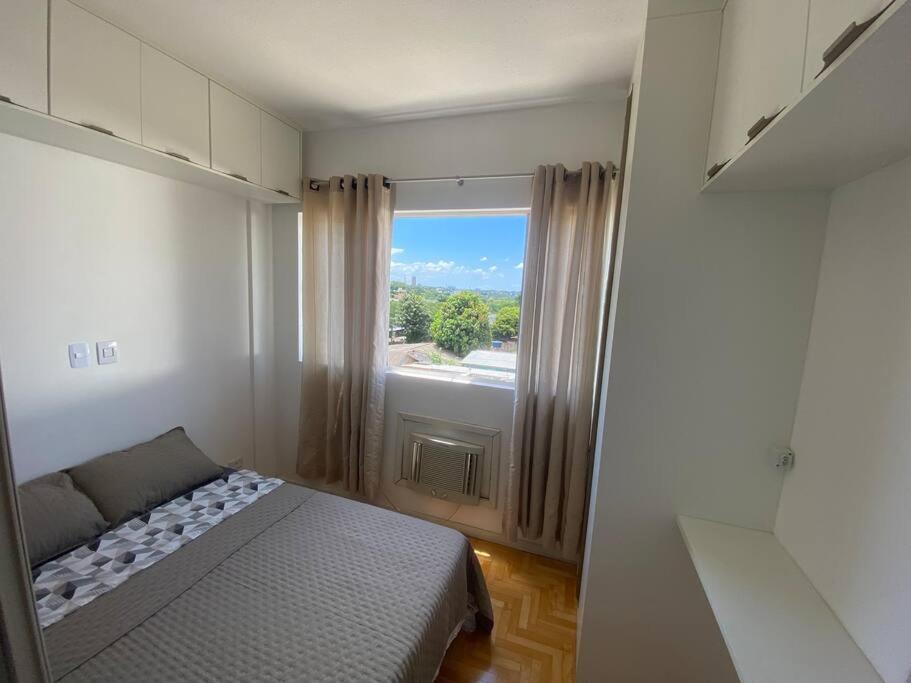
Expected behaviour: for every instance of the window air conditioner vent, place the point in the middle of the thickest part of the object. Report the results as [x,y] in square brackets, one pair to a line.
[445,468]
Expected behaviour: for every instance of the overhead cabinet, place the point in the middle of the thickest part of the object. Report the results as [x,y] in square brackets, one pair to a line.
[831,20]
[759,70]
[236,137]
[135,105]
[23,53]
[175,107]
[836,126]
[281,147]
[94,72]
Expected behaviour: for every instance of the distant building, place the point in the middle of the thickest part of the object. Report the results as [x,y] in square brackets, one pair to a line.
[414,280]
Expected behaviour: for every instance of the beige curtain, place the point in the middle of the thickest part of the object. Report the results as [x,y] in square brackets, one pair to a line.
[347,233]
[563,297]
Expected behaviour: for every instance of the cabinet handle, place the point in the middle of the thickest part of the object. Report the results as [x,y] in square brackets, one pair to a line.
[287,194]
[239,177]
[845,38]
[4,98]
[717,166]
[178,155]
[761,124]
[97,129]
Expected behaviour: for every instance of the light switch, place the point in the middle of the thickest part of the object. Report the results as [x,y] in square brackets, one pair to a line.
[79,355]
[107,352]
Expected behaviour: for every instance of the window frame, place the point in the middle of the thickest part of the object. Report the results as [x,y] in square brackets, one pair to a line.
[433,375]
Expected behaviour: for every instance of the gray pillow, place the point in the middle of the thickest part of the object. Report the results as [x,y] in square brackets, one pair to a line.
[128,483]
[56,517]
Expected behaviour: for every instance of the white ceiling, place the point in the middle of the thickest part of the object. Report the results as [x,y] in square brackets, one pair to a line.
[331,63]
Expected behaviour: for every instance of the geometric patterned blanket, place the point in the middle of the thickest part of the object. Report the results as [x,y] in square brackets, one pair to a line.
[78,577]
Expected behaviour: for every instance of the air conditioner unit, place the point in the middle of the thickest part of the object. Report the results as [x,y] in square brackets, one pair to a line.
[444,468]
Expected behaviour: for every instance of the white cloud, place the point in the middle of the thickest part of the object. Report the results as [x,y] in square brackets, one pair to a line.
[519,266]
[439,266]
[483,258]
[396,250]
[407,269]
[422,267]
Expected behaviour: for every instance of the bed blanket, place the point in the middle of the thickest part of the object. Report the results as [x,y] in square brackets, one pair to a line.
[297,586]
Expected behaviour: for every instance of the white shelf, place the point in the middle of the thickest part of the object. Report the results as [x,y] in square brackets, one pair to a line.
[49,130]
[855,119]
[776,626]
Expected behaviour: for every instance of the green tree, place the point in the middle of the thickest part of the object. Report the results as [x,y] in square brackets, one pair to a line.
[395,313]
[506,324]
[461,323]
[414,317]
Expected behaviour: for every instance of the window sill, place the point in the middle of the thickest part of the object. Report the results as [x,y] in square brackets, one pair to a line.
[434,376]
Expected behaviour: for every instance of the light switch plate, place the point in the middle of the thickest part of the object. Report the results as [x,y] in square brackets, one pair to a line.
[107,352]
[79,355]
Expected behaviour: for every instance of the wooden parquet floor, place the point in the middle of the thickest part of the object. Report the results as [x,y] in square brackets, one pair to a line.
[534,636]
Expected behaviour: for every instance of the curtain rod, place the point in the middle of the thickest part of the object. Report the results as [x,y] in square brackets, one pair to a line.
[461,178]
[458,179]
[442,179]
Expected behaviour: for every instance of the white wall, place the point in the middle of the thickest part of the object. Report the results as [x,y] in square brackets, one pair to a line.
[472,404]
[90,251]
[262,335]
[497,142]
[285,252]
[712,308]
[494,143]
[846,505]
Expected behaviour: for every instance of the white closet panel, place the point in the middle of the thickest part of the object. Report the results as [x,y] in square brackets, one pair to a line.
[236,144]
[23,53]
[95,72]
[828,18]
[175,107]
[281,146]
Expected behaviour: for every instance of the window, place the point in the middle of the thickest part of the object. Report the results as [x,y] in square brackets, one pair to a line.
[455,292]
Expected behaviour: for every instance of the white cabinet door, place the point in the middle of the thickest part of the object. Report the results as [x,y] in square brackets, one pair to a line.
[95,72]
[236,146]
[23,53]
[778,32]
[729,113]
[175,107]
[828,18]
[281,156]
[759,68]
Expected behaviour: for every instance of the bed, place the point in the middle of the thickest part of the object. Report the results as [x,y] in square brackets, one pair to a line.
[251,578]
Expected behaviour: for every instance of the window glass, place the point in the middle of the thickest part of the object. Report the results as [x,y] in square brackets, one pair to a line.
[455,293]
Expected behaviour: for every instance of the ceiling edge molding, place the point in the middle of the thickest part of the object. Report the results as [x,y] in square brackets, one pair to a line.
[670,8]
[610,93]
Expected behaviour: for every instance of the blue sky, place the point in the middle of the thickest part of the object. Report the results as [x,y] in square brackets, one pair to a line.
[470,252]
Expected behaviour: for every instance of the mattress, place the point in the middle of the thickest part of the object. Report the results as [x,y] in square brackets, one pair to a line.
[298,585]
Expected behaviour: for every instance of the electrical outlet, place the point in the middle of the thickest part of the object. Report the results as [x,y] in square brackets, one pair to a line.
[107,352]
[79,355]
[785,460]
